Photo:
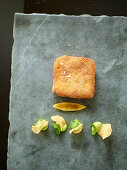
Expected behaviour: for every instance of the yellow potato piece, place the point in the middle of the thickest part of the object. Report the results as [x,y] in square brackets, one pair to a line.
[77,129]
[68,106]
[106,131]
[59,120]
[41,124]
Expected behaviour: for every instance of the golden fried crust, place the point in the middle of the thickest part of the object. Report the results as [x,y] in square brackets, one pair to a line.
[74,77]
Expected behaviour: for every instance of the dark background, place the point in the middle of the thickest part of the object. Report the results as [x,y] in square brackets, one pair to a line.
[7,10]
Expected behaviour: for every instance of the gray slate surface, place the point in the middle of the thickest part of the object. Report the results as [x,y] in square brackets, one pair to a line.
[38,40]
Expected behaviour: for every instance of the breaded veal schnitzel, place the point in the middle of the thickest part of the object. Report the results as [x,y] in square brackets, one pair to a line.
[74,77]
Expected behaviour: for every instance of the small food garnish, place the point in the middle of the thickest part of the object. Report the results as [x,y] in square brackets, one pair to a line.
[60,124]
[74,123]
[76,126]
[41,124]
[56,128]
[105,131]
[68,106]
[96,126]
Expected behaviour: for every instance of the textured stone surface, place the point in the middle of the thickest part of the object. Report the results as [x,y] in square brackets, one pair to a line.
[38,40]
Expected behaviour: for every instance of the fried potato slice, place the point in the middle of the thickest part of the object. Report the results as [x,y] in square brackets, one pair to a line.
[40,125]
[76,130]
[59,120]
[68,106]
[106,131]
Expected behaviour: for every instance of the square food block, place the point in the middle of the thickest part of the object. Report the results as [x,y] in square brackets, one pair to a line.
[74,77]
